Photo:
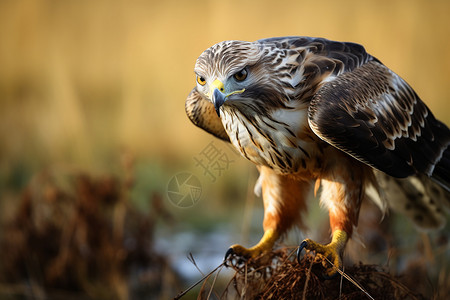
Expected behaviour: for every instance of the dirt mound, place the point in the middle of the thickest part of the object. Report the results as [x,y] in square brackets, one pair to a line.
[279,276]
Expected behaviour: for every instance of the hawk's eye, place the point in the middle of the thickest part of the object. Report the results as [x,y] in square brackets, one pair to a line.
[201,80]
[241,75]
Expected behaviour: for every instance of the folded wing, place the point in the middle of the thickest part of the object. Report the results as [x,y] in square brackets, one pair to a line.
[375,116]
[203,114]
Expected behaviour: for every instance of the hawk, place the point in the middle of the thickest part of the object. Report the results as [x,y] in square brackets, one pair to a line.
[310,113]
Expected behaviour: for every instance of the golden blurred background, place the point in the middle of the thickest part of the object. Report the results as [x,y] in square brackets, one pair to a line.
[82,82]
[80,79]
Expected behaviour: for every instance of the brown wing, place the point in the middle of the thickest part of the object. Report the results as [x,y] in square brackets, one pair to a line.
[373,115]
[203,114]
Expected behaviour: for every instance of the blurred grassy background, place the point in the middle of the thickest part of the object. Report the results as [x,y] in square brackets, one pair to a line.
[81,79]
[82,82]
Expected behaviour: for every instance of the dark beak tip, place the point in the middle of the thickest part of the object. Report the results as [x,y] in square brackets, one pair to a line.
[218,100]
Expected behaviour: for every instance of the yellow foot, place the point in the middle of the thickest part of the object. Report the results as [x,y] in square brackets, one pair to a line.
[331,252]
[242,253]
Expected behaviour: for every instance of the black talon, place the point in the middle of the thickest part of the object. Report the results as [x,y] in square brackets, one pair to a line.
[229,252]
[303,245]
[233,259]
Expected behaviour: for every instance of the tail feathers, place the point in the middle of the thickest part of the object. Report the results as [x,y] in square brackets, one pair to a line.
[441,172]
[417,197]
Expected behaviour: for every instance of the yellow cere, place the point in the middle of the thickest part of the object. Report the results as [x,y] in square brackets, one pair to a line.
[217,84]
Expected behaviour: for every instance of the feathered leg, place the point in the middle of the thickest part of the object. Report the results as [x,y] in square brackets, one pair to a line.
[342,193]
[284,199]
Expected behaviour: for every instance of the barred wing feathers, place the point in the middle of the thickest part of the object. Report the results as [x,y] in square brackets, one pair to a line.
[375,116]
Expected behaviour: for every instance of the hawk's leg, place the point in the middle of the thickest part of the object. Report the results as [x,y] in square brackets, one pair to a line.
[284,199]
[342,194]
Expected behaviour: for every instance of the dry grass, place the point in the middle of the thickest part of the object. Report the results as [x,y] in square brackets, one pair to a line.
[278,275]
[76,236]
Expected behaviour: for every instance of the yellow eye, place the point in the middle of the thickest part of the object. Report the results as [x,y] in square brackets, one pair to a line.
[241,75]
[201,80]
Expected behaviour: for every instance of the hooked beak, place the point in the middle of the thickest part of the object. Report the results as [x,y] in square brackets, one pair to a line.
[218,100]
[218,96]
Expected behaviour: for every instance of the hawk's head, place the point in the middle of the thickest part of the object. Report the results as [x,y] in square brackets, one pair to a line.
[237,73]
